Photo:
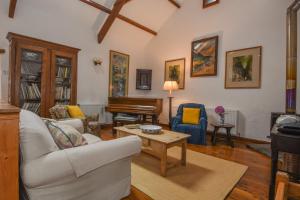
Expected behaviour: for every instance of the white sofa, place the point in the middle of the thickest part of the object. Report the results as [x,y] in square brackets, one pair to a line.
[97,171]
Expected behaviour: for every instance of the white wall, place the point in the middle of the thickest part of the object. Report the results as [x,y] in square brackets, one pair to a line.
[73,23]
[240,24]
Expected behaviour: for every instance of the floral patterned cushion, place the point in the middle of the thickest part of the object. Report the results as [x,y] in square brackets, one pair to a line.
[59,112]
[65,136]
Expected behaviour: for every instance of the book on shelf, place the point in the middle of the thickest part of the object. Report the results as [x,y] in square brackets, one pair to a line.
[30,91]
[34,107]
[62,103]
[63,72]
[63,93]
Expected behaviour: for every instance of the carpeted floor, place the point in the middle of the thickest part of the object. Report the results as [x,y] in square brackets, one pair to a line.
[204,177]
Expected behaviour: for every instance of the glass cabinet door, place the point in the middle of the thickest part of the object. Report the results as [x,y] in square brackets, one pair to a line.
[63,80]
[31,87]
[63,66]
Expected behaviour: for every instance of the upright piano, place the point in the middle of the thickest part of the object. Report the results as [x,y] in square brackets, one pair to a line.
[135,105]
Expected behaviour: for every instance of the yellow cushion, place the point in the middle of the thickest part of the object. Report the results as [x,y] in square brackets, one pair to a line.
[75,112]
[191,115]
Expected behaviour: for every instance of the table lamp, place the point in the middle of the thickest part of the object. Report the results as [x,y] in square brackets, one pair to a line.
[170,86]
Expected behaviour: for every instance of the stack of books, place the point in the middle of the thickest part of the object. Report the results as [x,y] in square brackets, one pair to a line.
[63,72]
[30,91]
[34,107]
[63,93]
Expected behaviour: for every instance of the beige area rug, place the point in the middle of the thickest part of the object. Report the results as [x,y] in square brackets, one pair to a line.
[204,178]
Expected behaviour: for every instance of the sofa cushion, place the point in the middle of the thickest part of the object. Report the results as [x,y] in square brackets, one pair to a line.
[91,139]
[75,112]
[65,136]
[76,123]
[191,115]
[35,138]
[59,112]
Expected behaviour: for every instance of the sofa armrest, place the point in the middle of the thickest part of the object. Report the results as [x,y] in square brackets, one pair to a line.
[203,123]
[90,157]
[76,123]
[175,121]
[48,169]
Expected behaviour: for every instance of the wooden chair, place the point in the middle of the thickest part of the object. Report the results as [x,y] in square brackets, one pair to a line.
[286,189]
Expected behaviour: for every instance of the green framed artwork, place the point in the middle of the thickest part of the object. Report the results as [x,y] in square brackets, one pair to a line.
[118,74]
[204,60]
[175,71]
[243,68]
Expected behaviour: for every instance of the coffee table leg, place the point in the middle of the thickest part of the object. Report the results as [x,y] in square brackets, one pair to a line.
[183,153]
[163,161]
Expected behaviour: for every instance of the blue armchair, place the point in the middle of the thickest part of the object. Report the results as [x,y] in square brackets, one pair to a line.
[197,132]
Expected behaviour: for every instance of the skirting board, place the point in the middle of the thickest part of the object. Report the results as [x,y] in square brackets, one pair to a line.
[239,138]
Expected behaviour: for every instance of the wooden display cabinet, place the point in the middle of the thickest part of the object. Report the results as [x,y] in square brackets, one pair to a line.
[42,74]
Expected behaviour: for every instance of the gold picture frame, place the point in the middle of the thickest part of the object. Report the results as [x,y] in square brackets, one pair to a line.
[118,74]
[243,68]
[175,71]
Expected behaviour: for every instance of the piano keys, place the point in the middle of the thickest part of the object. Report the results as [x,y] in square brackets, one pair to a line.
[136,106]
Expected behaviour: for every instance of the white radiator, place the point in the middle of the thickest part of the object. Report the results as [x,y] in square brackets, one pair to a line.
[231,117]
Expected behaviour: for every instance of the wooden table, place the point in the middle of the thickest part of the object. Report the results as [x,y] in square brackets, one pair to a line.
[281,142]
[218,126]
[158,144]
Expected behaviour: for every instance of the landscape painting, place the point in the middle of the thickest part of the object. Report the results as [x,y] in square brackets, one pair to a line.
[243,68]
[175,71]
[118,74]
[204,57]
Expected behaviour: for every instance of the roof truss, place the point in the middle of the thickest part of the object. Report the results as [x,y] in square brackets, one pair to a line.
[111,18]
[12,8]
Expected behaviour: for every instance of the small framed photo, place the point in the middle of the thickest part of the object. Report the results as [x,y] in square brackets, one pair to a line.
[143,79]
[208,3]
[243,68]
[204,60]
[175,71]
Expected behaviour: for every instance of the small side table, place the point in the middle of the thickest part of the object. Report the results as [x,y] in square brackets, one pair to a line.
[218,126]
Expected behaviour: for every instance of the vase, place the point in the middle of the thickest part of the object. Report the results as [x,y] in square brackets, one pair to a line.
[222,119]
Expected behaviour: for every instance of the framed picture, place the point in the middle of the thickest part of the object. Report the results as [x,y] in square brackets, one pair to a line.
[143,79]
[243,68]
[204,60]
[175,71]
[208,3]
[118,74]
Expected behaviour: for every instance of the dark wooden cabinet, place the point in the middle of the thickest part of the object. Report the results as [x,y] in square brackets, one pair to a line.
[42,74]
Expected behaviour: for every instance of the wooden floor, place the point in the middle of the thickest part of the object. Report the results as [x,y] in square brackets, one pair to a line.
[253,185]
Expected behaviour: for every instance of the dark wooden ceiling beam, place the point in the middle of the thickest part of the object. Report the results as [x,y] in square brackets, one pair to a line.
[12,8]
[121,17]
[175,3]
[110,20]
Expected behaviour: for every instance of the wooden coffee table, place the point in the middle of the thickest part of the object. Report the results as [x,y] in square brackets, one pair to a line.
[158,144]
